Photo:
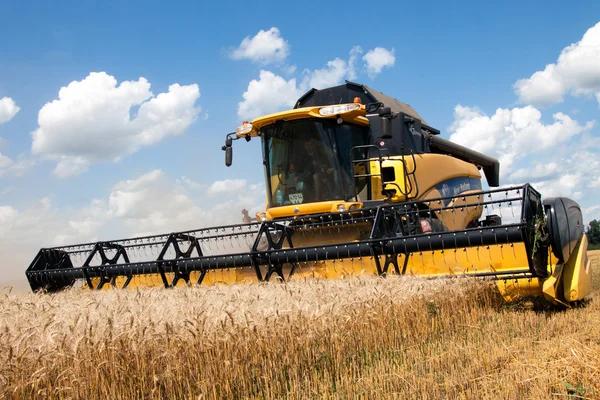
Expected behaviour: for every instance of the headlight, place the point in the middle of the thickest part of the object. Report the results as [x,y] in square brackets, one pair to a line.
[334,110]
[243,129]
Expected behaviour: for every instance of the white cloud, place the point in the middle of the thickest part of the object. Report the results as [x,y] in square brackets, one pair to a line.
[5,162]
[17,168]
[557,159]
[268,94]
[577,71]
[536,172]
[152,203]
[88,221]
[354,53]
[8,109]
[578,163]
[591,213]
[541,89]
[290,69]
[511,135]
[70,165]
[378,59]
[271,93]
[564,185]
[265,47]
[91,122]
[6,190]
[332,74]
[7,213]
[124,200]
[189,183]
[566,169]
[227,186]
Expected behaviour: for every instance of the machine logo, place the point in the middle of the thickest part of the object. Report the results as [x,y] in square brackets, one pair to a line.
[445,191]
[414,131]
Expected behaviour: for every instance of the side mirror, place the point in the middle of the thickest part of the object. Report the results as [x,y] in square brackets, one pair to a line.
[228,156]
[228,151]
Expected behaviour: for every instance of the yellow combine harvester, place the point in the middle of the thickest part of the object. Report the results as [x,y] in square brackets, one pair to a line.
[357,183]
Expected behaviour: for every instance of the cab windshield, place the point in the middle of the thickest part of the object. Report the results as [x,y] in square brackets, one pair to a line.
[309,161]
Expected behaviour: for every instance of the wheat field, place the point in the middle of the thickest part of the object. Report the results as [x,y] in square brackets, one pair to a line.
[397,337]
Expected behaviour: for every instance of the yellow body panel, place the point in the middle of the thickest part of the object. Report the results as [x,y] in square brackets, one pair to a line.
[462,262]
[514,289]
[429,170]
[571,281]
[552,286]
[432,169]
[221,276]
[310,208]
[399,184]
[577,274]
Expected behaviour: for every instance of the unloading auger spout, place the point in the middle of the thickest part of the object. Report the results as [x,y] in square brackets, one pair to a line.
[357,183]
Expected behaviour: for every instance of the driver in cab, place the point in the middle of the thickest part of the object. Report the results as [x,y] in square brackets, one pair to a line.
[309,176]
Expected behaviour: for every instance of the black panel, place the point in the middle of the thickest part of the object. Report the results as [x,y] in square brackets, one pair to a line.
[346,94]
[334,95]
[407,136]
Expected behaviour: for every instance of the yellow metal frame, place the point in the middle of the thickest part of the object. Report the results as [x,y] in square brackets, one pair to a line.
[353,116]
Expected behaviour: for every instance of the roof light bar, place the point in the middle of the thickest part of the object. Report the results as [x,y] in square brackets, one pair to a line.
[339,109]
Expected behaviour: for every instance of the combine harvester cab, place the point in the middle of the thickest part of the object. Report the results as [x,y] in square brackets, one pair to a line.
[357,183]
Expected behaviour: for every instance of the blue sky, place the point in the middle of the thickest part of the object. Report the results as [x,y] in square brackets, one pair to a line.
[457,64]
